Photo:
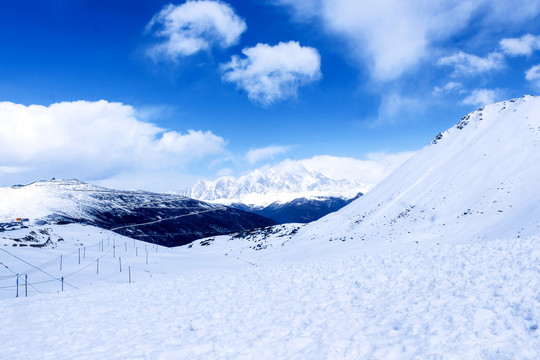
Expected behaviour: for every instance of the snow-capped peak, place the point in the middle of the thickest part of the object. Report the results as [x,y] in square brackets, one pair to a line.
[282,183]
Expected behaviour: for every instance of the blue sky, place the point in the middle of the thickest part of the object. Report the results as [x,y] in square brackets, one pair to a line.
[256,82]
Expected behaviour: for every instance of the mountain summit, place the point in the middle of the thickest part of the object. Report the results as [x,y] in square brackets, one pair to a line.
[283,183]
[286,193]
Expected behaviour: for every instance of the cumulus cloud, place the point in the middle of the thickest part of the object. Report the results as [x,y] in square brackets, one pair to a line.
[524,45]
[92,140]
[194,26]
[393,36]
[370,171]
[271,73]
[467,64]
[480,97]
[255,155]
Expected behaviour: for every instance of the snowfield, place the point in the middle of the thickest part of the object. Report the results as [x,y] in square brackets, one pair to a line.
[475,301]
[441,260]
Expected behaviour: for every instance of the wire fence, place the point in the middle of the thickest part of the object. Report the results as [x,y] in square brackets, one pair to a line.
[41,274]
[79,268]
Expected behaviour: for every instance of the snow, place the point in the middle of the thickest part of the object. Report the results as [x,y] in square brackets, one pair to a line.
[283,184]
[479,181]
[447,302]
[41,199]
[439,261]
[166,219]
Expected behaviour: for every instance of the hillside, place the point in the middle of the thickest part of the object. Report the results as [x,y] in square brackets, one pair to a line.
[477,180]
[164,219]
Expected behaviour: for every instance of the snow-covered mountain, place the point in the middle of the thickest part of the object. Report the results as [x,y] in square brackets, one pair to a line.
[285,193]
[477,180]
[299,210]
[160,218]
[282,184]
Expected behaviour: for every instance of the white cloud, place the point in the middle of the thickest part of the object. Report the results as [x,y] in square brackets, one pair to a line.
[467,64]
[533,74]
[448,88]
[480,97]
[194,26]
[91,140]
[272,73]
[393,36]
[265,153]
[396,107]
[369,171]
[524,45]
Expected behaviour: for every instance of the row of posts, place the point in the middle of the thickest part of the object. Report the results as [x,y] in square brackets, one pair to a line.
[84,257]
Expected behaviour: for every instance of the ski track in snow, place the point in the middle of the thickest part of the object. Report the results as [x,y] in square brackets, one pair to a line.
[475,301]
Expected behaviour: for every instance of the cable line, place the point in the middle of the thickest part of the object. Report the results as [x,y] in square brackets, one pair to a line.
[43,271]
[161,220]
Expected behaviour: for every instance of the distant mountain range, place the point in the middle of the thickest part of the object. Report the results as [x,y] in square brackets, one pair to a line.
[284,194]
[300,210]
[164,219]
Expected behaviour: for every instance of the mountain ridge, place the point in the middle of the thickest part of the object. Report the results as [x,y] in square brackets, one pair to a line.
[165,219]
[264,187]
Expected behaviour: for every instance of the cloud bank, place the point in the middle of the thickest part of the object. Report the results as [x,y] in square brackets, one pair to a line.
[393,36]
[271,73]
[92,140]
[469,65]
[523,46]
[371,170]
[193,27]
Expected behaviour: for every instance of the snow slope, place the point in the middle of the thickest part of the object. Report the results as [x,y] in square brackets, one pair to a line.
[282,184]
[445,303]
[477,180]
